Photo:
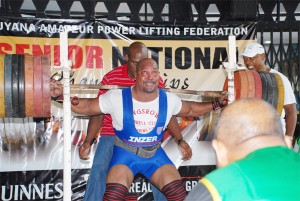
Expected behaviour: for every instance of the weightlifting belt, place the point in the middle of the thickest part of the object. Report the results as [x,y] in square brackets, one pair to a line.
[144,152]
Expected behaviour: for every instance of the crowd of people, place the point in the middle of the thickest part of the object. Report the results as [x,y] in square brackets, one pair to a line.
[250,137]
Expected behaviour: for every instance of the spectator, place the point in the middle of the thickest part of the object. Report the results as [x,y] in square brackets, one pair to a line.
[252,156]
[254,58]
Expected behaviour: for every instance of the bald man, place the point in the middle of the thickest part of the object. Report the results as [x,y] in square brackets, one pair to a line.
[252,157]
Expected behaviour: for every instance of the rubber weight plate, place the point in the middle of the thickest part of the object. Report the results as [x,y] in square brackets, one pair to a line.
[258,84]
[274,87]
[46,86]
[28,66]
[244,84]
[270,88]
[15,84]
[21,86]
[237,85]
[251,84]
[37,87]
[280,93]
[7,85]
[264,85]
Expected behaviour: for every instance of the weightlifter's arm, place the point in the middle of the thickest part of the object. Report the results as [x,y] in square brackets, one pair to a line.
[85,106]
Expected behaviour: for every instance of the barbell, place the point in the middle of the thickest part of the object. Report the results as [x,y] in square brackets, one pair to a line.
[25,86]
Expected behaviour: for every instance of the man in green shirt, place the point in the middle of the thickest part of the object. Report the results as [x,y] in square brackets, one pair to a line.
[252,156]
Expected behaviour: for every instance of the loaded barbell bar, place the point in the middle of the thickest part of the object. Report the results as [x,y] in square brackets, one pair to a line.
[25,89]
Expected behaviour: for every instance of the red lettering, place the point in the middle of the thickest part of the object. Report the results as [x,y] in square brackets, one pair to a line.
[56,55]
[75,55]
[94,53]
[37,50]
[20,48]
[5,47]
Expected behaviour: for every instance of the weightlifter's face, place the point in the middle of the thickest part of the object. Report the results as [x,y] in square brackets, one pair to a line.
[147,77]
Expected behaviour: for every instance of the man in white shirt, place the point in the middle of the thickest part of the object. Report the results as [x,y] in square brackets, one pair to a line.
[254,58]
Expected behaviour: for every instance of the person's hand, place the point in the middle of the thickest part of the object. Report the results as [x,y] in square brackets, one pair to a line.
[220,102]
[224,98]
[84,151]
[56,88]
[185,150]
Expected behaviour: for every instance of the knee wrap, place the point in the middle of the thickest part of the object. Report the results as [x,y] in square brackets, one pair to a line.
[131,198]
[115,191]
[174,191]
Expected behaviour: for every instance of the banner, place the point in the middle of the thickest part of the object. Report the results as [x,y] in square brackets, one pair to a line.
[189,58]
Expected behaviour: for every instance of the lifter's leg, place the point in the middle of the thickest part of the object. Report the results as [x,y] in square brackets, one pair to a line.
[118,182]
[168,179]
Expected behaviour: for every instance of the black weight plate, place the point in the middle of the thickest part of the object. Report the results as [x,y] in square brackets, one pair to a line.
[21,86]
[270,88]
[264,85]
[15,85]
[274,90]
[7,85]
